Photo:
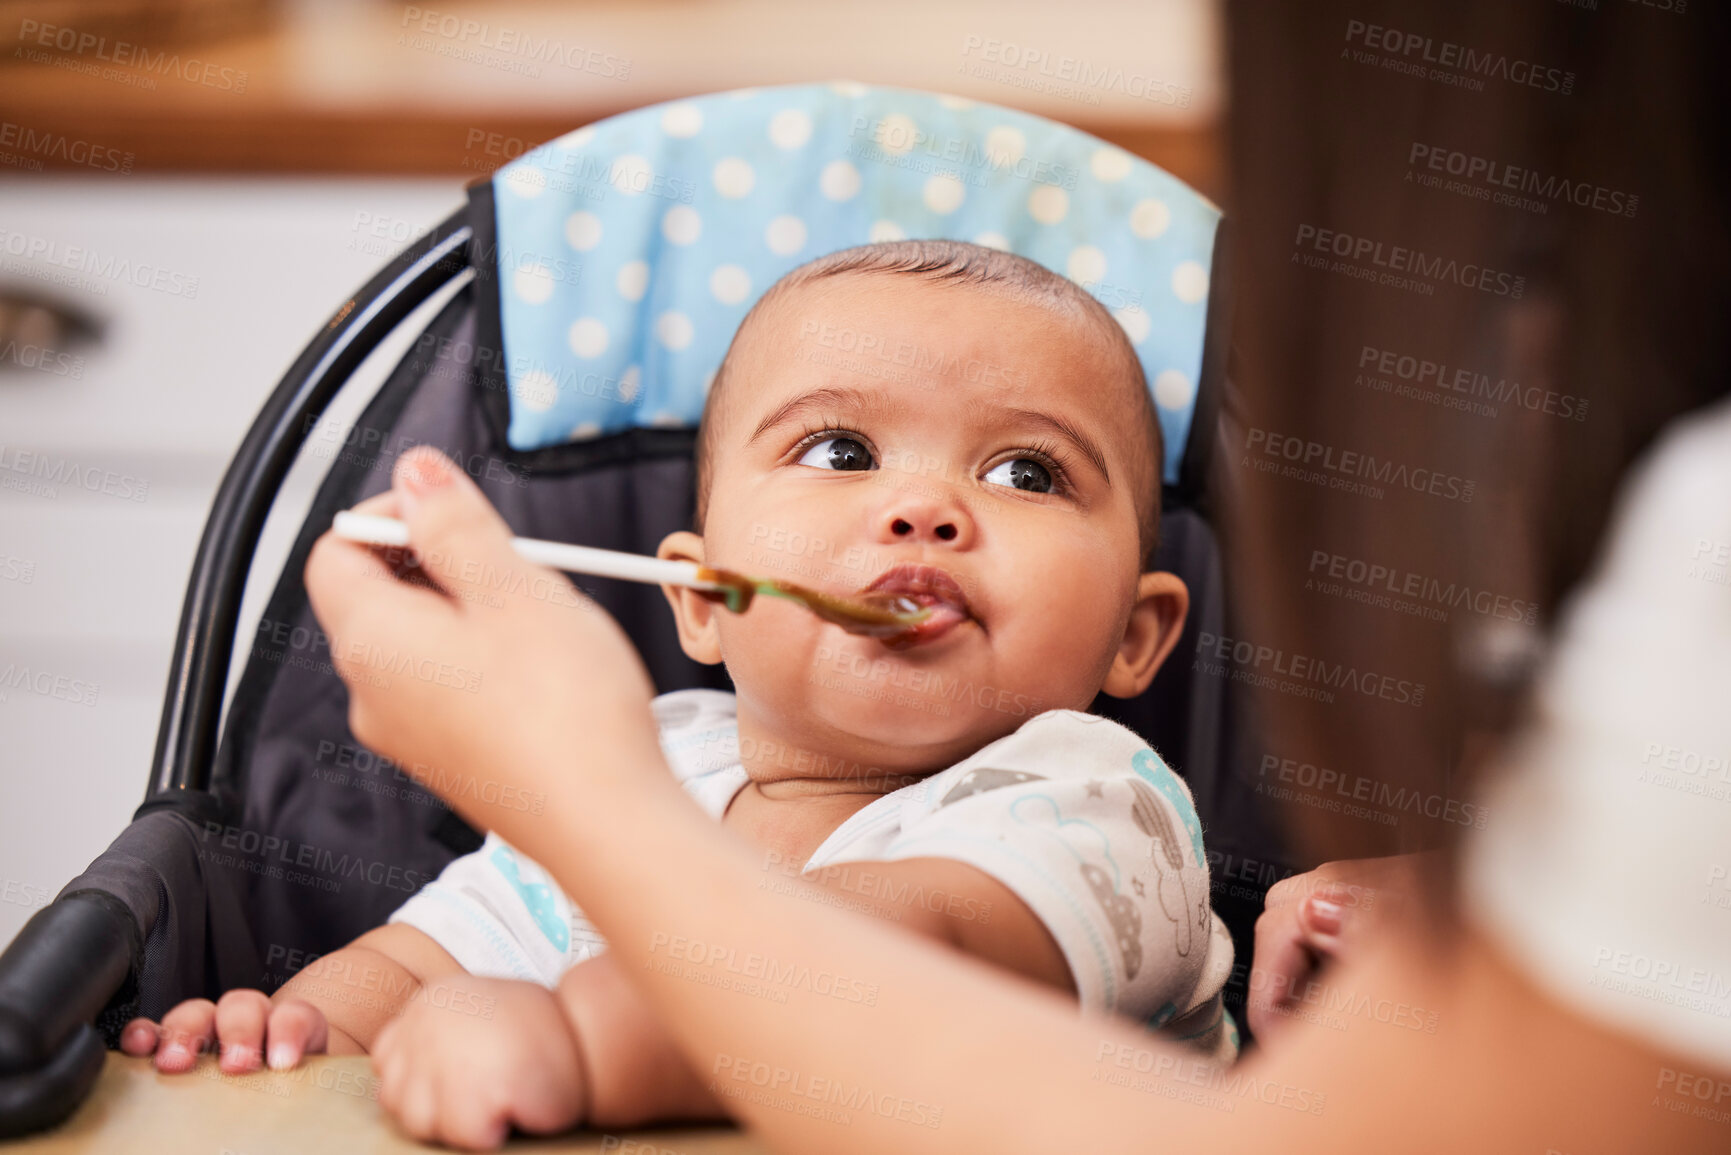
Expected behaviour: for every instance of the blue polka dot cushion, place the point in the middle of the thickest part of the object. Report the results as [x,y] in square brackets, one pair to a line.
[629,251]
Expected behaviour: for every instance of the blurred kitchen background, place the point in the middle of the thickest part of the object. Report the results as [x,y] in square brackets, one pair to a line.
[188,191]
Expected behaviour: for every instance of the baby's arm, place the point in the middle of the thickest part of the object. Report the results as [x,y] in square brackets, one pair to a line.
[636,1072]
[465,1079]
[977,914]
[337,1003]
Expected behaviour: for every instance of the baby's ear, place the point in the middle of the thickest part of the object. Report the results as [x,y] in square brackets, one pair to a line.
[1156,620]
[693,615]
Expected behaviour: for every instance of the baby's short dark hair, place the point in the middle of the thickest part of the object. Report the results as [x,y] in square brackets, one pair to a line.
[962,263]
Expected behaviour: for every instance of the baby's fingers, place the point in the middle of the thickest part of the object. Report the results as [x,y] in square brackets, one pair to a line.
[415,1105]
[139,1037]
[296,1028]
[240,1017]
[187,1031]
[471,1120]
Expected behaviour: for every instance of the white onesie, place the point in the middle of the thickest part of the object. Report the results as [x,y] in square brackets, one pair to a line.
[1072,812]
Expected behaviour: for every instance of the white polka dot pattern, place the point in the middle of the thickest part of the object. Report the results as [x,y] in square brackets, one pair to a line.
[630,249]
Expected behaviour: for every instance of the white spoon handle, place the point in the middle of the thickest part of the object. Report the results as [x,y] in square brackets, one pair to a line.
[370,529]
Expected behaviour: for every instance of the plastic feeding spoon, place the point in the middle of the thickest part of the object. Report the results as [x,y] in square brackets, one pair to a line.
[874,615]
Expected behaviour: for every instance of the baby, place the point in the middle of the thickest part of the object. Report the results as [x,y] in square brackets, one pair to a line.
[999,462]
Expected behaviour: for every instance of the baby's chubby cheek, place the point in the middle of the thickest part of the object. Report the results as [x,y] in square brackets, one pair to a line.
[774,643]
[1058,656]
[1063,621]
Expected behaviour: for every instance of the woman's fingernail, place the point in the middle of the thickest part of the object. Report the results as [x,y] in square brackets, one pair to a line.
[281,1058]
[426,471]
[1325,915]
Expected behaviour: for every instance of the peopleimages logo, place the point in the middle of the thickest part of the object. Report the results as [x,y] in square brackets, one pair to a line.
[37,474]
[1662,980]
[1454,387]
[47,684]
[269,855]
[827,1099]
[1488,179]
[1036,65]
[1341,788]
[899,138]
[526,47]
[104,266]
[36,35]
[1260,665]
[1397,265]
[57,146]
[1445,60]
[1388,587]
[1347,470]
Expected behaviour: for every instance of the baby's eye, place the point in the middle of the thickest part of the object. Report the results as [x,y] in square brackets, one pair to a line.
[1022,473]
[838,453]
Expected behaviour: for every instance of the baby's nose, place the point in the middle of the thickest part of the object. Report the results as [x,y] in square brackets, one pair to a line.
[925,519]
[943,531]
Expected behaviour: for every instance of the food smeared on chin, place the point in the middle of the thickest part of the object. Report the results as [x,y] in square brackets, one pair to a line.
[888,615]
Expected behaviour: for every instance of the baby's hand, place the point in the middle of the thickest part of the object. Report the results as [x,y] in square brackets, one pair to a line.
[242,1024]
[470,1057]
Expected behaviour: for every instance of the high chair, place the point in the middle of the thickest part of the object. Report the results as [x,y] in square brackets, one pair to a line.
[602,277]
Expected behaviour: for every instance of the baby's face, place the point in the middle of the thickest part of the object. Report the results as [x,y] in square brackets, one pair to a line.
[980,456]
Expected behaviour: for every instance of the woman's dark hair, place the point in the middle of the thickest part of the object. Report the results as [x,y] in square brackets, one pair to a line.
[1481,255]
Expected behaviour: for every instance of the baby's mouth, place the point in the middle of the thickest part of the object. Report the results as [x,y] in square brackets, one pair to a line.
[928,586]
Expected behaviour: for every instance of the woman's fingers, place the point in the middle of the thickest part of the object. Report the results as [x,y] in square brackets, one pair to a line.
[342,575]
[1323,917]
[401,560]
[371,619]
[187,1031]
[1280,963]
[1320,915]
[240,1019]
[462,542]
[296,1028]
[476,677]
[380,505]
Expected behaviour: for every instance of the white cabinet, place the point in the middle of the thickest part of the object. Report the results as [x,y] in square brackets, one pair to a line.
[206,291]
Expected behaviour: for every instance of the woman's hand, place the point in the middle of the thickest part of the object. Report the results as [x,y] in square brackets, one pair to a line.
[470,1058]
[1322,914]
[491,680]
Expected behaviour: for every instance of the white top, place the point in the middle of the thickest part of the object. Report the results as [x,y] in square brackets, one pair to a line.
[1606,866]
[1073,813]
